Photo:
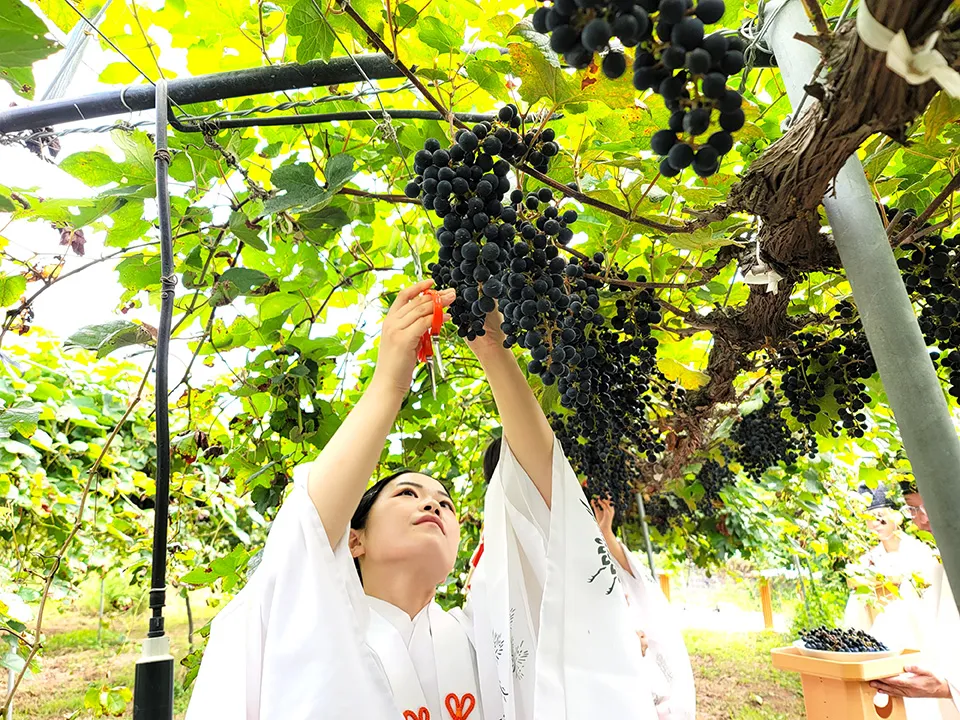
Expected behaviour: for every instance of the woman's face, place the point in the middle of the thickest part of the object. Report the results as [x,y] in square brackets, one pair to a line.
[412,520]
[882,523]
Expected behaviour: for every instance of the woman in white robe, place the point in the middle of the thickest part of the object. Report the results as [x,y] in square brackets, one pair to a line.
[542,637]
[894,617]
[931,691]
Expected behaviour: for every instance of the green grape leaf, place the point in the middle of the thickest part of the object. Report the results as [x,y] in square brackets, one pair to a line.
[236,282]
[11,289]
[111,336]
[23,42]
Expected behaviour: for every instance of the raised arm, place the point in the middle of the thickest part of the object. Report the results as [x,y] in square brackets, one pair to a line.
[605,513]
[339,476]
[525,427]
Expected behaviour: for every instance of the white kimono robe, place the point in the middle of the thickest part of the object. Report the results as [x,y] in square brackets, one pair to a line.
[940,650]
[546,634]
[674,691]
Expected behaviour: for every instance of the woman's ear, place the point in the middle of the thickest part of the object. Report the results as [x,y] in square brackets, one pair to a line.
[355,543]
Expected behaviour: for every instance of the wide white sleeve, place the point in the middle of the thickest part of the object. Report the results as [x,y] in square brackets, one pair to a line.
[291,645]
[652,613]
[553,636]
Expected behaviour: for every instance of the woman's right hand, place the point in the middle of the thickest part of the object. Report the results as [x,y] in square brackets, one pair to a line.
[410,316]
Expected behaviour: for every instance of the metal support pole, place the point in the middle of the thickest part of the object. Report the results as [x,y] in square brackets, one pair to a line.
[646,535]
[153,682]
[907,372]
[203,88]
[11,676]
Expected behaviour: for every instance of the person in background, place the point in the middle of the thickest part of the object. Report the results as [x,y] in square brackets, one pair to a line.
[932,690]
[675,694]
[889,579]
[666,663]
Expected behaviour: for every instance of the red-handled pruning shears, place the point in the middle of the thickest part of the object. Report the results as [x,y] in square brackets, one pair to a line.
[426,350]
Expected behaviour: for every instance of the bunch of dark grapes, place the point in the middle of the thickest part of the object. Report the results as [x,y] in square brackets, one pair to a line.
[815,365]
[836,640]
[764,440]
[665,510]
[931,274]
[613,471]
[713,477]
[690,71]
[503,247]
[466,185]
[580,28]
[609,430]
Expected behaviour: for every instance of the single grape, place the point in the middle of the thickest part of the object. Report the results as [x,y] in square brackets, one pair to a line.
[662,141]
[672,11]
[698,61]
[673,58]
[596,34]
[540,19]
[614,65]
[732,62]
[697,121]
[564,38]
[714,85]
[688,33]
[579,57]
[680,156]
[710,11]
[721,141]
[732,121]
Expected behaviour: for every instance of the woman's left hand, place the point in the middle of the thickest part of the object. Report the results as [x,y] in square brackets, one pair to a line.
[493,337]
[605,513]
[915,682]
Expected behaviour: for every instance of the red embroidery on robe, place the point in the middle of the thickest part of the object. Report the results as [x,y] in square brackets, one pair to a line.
[460,707]
[421,714]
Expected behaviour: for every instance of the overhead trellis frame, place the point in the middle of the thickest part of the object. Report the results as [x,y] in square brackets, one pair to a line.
[202,88]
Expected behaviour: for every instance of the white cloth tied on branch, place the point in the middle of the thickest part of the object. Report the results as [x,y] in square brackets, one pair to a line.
[915,65]
[757,272]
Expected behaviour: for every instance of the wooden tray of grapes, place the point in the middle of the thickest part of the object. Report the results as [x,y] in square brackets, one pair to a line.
[835,689]
[862,670]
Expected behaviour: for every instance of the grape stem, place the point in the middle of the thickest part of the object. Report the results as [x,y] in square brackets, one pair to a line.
[819,19]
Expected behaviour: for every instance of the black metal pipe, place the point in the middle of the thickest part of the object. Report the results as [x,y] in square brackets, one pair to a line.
[316,118]
[167,284]
[154,676]
[203,88]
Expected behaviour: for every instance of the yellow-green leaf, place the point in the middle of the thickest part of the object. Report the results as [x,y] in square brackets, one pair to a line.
[675,371]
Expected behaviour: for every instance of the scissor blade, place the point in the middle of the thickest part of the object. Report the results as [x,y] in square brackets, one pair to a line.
[437,359]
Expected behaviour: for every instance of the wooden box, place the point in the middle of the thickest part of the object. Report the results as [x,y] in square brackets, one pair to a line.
[834,690]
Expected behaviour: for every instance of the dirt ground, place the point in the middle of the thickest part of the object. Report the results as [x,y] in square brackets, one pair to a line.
[733,674]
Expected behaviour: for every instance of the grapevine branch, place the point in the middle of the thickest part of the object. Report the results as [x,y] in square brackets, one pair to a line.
[61,552]
[908,232]
[384,197]
[13,313]
[816,15]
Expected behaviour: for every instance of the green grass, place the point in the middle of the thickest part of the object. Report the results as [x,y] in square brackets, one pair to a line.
[736,680]
[83,639]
